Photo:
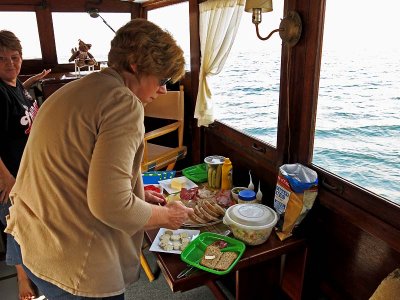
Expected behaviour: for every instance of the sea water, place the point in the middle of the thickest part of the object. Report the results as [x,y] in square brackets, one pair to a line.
[358,122]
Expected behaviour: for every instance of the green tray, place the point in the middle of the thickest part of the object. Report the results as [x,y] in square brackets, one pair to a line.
[195,250]
[197,173]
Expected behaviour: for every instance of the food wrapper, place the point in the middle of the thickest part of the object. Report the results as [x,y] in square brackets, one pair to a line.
[295,193]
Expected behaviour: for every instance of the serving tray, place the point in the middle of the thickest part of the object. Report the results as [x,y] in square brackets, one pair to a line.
[195,250]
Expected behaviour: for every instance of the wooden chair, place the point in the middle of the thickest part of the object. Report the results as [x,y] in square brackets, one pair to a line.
[48,86]
[146,267]
[157,155]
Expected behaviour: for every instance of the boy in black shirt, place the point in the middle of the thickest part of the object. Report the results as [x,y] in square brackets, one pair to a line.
[17,112]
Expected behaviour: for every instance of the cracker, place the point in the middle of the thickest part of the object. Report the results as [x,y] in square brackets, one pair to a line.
[211,251]
[226,260]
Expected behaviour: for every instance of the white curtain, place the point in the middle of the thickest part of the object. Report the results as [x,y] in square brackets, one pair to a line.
[219,22]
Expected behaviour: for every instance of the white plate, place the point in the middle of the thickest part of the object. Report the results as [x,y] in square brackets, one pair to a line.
[156,248]
[166,184]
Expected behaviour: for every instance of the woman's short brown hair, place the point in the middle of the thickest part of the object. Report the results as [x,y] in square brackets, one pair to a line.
[8,41]
[153,50]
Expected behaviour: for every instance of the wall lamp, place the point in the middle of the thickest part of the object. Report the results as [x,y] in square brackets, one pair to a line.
[289,28]
[94,13]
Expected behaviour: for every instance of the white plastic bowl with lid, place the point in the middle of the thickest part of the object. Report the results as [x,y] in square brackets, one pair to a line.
[251,223]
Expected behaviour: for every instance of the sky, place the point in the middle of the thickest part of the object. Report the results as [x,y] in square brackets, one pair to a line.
[360,23]
[357,24]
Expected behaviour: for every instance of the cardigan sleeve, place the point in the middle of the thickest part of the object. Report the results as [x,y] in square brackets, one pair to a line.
[110,191]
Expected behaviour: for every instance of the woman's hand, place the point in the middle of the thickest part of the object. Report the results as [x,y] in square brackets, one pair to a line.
[171,216]
[177,214]
[154,198]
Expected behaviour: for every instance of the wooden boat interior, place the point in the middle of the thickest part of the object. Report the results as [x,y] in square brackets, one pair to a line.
[353,235]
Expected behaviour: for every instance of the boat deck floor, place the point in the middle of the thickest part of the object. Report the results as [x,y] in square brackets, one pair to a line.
[141,290]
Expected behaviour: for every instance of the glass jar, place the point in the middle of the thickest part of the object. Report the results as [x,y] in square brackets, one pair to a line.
[247,196]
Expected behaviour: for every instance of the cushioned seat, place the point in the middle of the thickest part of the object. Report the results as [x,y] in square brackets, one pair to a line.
[389,289]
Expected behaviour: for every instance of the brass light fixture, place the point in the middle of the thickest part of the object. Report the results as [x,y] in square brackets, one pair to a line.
[289,28]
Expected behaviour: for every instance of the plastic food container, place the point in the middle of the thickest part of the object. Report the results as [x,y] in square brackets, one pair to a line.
[251,223]
[193,253]
[154,187]
[214,170]
[152,177]
[197,173]
[235,192]
[247,196]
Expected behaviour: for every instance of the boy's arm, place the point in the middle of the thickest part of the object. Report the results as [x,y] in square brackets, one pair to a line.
[31,80]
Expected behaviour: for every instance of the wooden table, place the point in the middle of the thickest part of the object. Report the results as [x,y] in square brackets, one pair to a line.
[262,269]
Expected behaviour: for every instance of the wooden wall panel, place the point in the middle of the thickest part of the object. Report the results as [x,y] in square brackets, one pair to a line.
[345,261]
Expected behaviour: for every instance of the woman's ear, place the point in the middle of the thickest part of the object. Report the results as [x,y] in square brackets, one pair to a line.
[133,68]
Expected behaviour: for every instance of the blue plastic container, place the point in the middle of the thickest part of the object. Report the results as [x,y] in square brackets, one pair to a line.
[153,177]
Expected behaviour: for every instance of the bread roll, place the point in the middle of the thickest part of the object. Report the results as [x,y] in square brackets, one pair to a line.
[196,219]
[207,215]
[210,209]
[217,208]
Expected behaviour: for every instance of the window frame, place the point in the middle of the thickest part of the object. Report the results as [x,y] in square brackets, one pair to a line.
[336,193]
[296,144]
[292,146]
[46,32]
[98,40]
[162,5]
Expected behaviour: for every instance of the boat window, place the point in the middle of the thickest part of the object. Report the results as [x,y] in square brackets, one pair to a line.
[358,121]
[26,31]
[70,27]
[246,92]
[166,18]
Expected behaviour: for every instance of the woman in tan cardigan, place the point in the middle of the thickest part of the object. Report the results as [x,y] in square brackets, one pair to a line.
[79,189]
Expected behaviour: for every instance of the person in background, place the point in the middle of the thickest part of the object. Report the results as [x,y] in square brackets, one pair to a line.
[80,188]
[17,112]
